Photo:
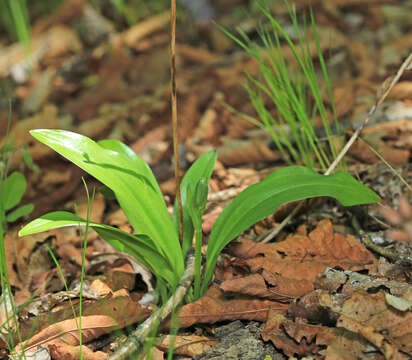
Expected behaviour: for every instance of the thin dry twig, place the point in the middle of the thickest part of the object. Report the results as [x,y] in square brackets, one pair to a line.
[384,91]
[175,124]
[137,338]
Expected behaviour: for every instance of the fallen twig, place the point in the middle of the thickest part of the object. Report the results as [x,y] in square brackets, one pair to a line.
[384,91]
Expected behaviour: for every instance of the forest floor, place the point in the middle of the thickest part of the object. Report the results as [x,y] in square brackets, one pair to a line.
[335,283]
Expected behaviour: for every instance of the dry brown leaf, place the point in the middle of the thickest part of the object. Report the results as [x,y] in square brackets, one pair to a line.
[144,28]
[60,350]
[302,256]
[297,337]
[57,42]
[344,97]
[47,119]
[288,269]
[100,316]
[70,10]
[214,306]
[371,316]
[392,155]
[245,152]
[188,345]
[268,285]
[67,331]
[197,54]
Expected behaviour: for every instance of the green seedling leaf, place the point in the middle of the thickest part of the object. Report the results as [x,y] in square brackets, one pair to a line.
[6,148]
[201,168]
[282,186]
[13,189]
[139,246]
[28,160]
[132,181]
[19,212]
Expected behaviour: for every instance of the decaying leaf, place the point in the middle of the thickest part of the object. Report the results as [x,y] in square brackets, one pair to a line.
[190,345]
[214,306]
[288,269]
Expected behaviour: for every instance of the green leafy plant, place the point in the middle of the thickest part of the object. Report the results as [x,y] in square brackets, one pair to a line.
[12,188]
[293,89]
[156,242]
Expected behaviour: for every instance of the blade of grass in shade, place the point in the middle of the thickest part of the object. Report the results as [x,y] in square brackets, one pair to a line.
[90,201]
[59,269]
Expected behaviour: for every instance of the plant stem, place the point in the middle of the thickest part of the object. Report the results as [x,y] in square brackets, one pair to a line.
[136,339]
[198,260]
[174,116]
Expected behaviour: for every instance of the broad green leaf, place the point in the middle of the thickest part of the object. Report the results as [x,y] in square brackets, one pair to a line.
[201,168]
[130,178]
[139,163]
[19,212]
[282,186]
[139,246]
[13,189]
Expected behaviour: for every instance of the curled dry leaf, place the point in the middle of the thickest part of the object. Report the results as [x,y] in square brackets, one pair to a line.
[288,269]
[303,339]
[118,312]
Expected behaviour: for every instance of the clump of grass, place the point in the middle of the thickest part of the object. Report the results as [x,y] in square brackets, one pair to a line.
[15,17]
[295,92]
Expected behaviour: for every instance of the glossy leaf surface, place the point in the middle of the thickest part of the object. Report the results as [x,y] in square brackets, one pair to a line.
[139,246]
[282,186]
[130,178]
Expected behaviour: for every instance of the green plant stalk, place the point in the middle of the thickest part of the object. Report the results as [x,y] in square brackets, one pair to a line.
[4,277]
[59,269]
[198,261]
[86,234]
[14,317]
[19,13]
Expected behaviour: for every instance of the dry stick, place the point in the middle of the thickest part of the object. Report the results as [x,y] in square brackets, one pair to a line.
[174,116]
[406,65]
[137,338]
[386,90]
